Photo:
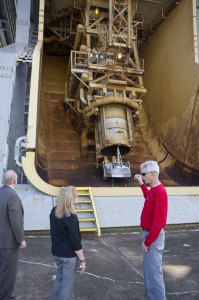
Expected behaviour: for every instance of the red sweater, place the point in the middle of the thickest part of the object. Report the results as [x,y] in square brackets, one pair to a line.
[154,213]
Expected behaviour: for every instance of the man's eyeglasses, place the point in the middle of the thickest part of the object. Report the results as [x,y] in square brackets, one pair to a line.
[144,174]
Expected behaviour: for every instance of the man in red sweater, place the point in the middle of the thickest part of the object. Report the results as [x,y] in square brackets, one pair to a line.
[153,221]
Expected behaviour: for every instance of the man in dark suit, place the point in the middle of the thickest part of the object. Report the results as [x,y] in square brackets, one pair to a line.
[11,234]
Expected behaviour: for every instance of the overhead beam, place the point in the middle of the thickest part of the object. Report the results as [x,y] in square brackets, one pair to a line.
[99,3]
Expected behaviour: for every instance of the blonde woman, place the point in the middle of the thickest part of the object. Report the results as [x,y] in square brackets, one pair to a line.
[66,243]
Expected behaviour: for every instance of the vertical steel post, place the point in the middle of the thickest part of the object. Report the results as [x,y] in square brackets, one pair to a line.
[88,38]
[129,41]
[110,22]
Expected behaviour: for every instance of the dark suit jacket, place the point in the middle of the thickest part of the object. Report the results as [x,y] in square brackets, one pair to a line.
[11,218]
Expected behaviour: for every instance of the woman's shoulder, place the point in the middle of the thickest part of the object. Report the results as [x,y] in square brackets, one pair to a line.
[71,218]
[52,211]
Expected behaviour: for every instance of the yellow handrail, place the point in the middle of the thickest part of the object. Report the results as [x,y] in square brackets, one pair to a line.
[95,213]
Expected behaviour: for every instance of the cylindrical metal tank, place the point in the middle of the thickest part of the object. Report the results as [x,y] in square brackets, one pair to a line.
[115,128]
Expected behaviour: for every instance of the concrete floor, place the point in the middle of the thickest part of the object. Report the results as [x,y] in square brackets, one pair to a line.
[114,268]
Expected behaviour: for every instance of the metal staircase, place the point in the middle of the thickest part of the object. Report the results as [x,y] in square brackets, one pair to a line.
[102,32]
[86,211]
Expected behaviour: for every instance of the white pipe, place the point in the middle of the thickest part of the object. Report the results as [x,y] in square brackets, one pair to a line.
[79,32]
[19,144]
[82,96]
[112,100]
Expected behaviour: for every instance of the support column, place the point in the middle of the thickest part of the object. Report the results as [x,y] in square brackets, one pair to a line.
[110,22]
[8,98]
[23,21]
[129,41]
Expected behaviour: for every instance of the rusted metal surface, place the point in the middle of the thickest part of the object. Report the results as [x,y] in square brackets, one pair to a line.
[181,134]
[78,122]
[60,141]
[114,130]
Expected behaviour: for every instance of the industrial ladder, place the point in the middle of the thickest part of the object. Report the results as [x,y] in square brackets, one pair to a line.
[86,211]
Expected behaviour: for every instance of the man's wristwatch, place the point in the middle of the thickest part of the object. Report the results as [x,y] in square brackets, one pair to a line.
[82,260]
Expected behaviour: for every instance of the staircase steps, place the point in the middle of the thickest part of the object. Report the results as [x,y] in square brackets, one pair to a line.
[86,211]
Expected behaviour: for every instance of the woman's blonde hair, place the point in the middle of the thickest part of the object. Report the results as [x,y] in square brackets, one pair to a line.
[65,202]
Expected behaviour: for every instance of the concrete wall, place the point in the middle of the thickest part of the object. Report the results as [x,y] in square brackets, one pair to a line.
[126,211]
[172,82]
[114,209]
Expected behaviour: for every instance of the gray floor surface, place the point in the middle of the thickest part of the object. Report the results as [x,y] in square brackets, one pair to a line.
[114,268]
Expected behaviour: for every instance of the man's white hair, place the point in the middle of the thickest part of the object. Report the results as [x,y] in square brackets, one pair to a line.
[151,166]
